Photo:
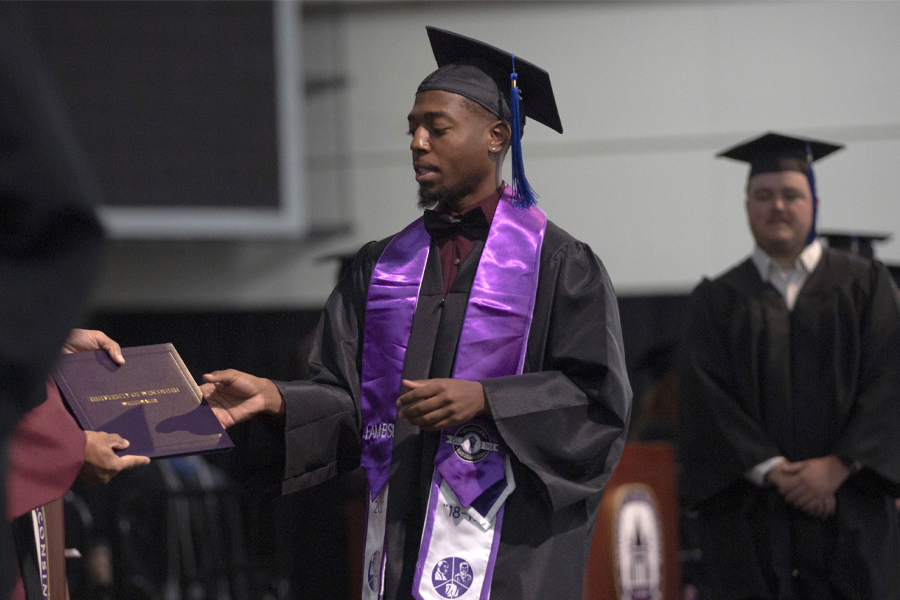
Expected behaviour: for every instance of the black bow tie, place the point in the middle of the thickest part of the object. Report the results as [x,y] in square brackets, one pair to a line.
[474,224]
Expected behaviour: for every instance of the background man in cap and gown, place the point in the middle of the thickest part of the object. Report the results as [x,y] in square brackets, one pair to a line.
[561,420]
[788,405]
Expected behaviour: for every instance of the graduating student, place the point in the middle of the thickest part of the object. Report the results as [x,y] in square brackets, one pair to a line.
[789,402]
[472,363]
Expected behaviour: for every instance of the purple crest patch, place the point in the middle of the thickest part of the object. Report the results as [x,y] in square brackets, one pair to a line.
[452,577]
[471,443]
[373,571]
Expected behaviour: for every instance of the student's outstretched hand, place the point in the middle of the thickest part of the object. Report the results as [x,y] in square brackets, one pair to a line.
[101,463]
[433,404]
[236,396]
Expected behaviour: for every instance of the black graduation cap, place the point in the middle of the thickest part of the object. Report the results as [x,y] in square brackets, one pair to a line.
[773,152]
[487,76]
[463,63]
[855,243]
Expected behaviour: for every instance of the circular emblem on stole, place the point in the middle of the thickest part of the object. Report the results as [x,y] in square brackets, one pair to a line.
[637,543]
[452,577]
[374,571]
[474,445]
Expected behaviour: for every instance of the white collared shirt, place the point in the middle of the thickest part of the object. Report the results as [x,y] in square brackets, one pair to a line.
[788,284]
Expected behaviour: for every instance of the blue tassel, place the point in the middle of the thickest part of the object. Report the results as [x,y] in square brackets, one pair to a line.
[812,188]
[525,196]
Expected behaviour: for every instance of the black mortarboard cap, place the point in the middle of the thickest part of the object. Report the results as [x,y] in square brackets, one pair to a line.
[774,152]
[481,73]
[855,243]
[487,75]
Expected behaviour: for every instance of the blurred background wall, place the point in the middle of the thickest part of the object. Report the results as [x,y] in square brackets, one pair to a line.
[648,93]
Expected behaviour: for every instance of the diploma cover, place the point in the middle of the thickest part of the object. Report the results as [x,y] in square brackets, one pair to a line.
[152,401]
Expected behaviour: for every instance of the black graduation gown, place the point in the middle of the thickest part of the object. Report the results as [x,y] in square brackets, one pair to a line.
[834,390]
[563,420]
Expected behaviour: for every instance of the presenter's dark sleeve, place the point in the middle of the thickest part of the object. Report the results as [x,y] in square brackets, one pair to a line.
[50,238]
[46,453]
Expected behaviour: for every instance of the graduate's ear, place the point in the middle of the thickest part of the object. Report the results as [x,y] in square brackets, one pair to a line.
[500,134]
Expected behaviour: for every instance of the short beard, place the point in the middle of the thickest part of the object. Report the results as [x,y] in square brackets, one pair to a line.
[442,195]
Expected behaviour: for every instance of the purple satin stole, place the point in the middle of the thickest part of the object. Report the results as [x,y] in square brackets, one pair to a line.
[492,341]
[391,302]
[494,335]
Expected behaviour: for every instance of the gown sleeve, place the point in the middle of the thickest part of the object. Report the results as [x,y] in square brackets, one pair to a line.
[566,416]
[45,455]
[322,416]
[870,434]
[715,416]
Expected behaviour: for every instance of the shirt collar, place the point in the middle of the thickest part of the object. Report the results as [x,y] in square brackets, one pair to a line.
[806,262]
[488,205]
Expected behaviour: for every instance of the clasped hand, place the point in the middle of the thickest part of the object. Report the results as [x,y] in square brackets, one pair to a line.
[810,485]
[433,404]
